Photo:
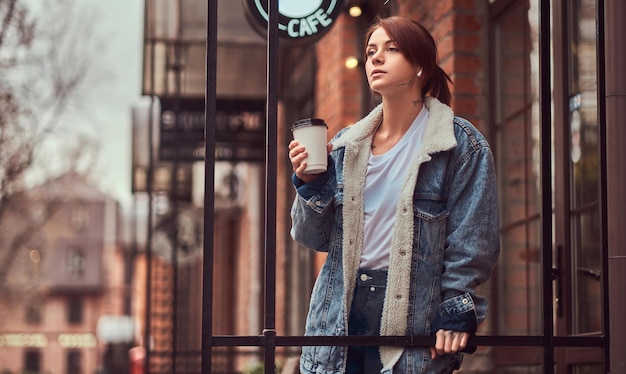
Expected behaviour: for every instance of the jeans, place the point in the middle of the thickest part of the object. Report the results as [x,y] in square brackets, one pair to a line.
[365,315]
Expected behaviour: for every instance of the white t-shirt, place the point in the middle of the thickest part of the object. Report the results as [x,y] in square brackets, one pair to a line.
[385,177]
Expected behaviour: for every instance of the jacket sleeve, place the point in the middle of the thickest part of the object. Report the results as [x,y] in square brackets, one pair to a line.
[312,210]
[472,240]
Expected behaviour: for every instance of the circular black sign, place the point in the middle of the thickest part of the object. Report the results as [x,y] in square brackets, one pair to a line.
[298,20]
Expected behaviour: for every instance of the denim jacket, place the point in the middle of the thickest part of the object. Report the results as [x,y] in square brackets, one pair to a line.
[445,241]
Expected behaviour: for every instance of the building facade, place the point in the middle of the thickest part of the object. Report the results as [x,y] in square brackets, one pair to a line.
[66,274]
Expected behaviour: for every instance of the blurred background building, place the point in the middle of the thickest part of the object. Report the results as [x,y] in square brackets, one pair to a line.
[65,301]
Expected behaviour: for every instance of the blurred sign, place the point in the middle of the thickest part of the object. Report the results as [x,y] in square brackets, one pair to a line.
[110,329]
[239,129]
[298,21]
[23,340]
[83,340]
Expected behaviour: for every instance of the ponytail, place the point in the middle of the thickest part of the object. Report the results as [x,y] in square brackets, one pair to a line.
[437,85]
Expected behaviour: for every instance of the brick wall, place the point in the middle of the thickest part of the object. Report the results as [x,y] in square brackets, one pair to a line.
[338,96]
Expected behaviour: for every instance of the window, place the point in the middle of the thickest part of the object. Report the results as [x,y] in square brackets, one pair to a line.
[75,310]
[583,165]
[74,362]
[75,263]
[79,217]
[32,313]
[32,361]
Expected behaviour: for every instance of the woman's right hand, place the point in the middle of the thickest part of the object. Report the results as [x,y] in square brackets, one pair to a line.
[448,341]
[297,156]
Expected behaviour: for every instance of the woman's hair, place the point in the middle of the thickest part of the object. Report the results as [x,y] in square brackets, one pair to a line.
[419,48]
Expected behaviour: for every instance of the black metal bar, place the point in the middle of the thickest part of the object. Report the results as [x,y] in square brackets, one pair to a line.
[209,186]
[174,187]
[174,244]
[269,330]
[174,229]
[409,341]
[149,189]
[546,182]
[602,154]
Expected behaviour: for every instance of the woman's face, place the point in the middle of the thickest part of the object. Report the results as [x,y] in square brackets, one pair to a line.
[387,69]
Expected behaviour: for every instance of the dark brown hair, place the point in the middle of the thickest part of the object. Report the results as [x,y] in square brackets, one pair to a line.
[419,48]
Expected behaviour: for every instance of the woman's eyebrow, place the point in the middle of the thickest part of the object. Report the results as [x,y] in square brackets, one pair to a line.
[386,43]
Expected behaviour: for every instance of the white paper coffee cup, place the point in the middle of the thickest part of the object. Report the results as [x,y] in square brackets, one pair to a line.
[311,133]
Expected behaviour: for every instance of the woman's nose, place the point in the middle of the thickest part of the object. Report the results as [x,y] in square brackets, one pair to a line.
[376,58]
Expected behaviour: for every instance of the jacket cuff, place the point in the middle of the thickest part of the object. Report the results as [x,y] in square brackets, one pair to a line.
[457,314]
[308,190]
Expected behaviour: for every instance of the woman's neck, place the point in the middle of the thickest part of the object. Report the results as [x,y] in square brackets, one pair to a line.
[397,118]
[398,115]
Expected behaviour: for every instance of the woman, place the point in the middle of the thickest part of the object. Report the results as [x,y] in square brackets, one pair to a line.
[407,212]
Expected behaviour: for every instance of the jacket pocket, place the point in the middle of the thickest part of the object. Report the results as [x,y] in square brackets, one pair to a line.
[430,228]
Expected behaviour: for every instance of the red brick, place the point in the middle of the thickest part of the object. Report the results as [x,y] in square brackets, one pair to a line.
[464,104]
[441,9]
[470,64]
[466,22]
[467,43]
[464,83]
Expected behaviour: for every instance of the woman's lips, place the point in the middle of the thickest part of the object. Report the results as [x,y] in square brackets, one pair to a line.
[376,72]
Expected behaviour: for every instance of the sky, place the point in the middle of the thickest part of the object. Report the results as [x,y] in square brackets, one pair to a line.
[108,105]
[122,21]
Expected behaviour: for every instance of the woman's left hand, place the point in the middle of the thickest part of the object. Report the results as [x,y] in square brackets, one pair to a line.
[448,341]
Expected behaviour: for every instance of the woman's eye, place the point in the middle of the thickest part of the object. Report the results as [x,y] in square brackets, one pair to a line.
[370,53]
[392,49]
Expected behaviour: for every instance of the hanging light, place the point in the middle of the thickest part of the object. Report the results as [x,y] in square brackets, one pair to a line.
[351,62]
[355,11]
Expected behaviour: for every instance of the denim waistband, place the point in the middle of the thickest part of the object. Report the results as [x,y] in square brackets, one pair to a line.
[369,278]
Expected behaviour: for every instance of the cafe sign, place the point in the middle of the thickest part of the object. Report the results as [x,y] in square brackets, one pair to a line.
[298,21]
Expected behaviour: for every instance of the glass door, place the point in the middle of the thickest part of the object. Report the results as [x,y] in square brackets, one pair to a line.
[575,185]
[578,221]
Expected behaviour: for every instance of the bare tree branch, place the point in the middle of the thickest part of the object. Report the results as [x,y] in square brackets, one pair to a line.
[10,5]
[34,221]
[47,66]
